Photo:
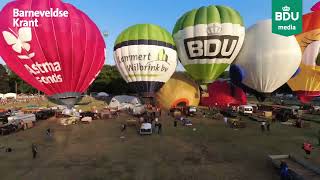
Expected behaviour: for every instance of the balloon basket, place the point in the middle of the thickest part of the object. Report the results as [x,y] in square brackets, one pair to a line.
[67,99]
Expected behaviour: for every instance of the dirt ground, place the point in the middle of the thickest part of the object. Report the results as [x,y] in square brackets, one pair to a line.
[95,151]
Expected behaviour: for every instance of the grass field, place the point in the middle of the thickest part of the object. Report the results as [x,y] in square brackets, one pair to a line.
[95,151]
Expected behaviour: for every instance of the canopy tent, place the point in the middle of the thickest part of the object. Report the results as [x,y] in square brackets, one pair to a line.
[10,96]
[124,102]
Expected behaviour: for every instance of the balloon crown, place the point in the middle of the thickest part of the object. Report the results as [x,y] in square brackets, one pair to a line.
[286,8]
[214,29]
[316,7]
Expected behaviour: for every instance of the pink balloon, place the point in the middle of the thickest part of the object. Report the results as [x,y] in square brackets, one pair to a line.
[51,45]
[316,7]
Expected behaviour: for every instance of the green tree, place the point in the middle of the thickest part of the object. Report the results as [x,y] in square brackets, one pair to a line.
[17,85]
[4,80]
[110,81]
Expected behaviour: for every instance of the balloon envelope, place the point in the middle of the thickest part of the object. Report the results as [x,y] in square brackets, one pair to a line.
[208,39]
[51,45]
[146,57]
[306,84]
[267,60]
[224,94]
[179,90]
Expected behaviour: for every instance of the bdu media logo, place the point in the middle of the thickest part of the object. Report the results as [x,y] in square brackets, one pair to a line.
[287,17]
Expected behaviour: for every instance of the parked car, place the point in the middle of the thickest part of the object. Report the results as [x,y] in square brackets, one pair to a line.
[283,115]
[8,129]
[44,114]
[245,109]
[93,115]
[186,122]
[229,113]
[17,118]
[145,128]
[191,110]
[316,108]
[4,117]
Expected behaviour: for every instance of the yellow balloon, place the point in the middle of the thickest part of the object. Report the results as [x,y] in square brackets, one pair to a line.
[180,89]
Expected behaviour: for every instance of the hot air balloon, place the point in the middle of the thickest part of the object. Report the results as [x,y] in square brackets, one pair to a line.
[179,90]
[306,84]
[51,45]
[146,57]
[224,94]
[208,39]
[266,61]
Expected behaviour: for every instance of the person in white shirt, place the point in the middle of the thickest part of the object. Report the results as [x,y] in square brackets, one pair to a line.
[225,119]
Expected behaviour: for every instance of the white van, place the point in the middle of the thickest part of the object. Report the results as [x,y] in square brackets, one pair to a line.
[245,109]
[146,128]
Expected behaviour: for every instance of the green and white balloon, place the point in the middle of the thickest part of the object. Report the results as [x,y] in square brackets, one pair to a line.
[146,57]
[208,39]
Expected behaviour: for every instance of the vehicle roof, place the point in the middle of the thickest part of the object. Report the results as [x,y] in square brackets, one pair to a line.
[246,106]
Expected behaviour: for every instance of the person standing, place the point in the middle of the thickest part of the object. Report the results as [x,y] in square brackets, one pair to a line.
[175,123]
[156,125]
[268,126]
[204,114]
[298,122]
[284,170]
[225,119]
[34,150]
[48,132]
[159,127]
[263,125]
[307,147]
[123,127]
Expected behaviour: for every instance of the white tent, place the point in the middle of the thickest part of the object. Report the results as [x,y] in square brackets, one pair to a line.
[1,96]
[10,96]
[124,102]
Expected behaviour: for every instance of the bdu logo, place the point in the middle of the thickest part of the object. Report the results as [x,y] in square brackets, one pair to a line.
[286,15]
[210,47]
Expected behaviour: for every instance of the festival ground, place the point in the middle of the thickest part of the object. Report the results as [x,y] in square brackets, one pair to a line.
[96,151]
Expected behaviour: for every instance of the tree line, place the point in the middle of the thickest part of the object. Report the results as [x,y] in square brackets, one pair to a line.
[109,80]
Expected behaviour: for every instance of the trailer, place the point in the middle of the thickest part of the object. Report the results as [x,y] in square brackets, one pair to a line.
[25,118]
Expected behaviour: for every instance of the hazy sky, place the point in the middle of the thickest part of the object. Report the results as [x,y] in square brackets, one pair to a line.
[115,16]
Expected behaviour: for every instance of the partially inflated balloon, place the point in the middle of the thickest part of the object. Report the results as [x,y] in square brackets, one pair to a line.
[267,60]
[307,83]
[208,39]
[180,89]
[52,46]
[146,57]
[224,94]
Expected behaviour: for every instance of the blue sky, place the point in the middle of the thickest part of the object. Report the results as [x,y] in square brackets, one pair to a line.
[114,16]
